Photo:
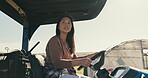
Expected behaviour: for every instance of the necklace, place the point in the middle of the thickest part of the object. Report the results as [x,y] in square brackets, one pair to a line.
[64,43]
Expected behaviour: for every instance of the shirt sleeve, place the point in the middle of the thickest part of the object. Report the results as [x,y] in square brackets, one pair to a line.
[54,48]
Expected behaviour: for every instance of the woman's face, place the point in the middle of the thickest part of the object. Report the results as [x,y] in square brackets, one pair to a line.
[65,25]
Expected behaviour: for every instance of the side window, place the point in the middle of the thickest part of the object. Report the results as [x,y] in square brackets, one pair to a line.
[10,34]
[42,34]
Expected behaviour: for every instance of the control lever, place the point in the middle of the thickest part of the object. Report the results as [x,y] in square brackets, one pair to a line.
[34,46]
[28,53]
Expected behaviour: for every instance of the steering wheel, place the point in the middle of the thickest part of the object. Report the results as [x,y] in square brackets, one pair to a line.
[93,58]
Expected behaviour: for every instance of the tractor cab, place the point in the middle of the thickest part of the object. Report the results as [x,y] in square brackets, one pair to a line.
[32,14]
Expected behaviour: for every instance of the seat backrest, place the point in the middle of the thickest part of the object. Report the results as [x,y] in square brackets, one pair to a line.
[13,64]
[36,67]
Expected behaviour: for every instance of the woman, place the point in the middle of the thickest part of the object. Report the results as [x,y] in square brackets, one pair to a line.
[60,50]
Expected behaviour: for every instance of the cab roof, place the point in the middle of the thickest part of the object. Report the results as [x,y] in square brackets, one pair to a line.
[34,13]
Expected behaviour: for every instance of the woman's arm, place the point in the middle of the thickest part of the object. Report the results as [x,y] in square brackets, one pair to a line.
[91,55]
[87,56]
[54,52]
[81,61]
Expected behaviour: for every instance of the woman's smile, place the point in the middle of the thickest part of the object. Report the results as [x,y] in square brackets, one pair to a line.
[65,25]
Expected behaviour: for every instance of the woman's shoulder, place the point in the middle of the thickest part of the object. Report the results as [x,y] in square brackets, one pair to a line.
[53,41]
[54,38]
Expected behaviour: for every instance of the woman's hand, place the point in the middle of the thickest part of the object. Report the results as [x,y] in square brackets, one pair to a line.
[91,55]
[86,62]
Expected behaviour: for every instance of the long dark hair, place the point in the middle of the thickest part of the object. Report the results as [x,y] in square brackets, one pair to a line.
[70,35]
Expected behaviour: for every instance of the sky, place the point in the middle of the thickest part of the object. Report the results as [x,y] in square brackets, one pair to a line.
[119,21]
